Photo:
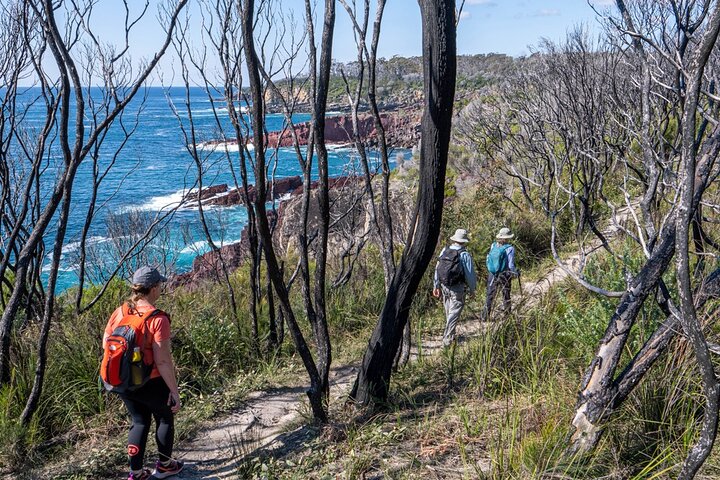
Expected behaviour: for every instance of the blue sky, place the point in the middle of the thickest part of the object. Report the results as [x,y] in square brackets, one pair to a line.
[512,27]
[501,26]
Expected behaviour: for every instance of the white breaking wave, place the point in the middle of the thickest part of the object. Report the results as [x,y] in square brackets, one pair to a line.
[74,246]
[284,197]
[340,147]
[194,247]
[227,242]
[207,110]
[48,266]
[227,146]
[160,203]
[202,246]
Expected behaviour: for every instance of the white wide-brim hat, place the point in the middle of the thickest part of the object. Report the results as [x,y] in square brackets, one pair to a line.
[460,236]
[504,234]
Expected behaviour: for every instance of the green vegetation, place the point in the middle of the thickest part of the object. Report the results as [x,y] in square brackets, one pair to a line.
[498,406]
[399,79]
[506,414]
[214,355]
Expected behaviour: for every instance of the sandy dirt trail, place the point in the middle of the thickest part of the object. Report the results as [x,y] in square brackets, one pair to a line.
[272,419]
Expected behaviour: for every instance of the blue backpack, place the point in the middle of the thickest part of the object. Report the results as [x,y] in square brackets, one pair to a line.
[496,260]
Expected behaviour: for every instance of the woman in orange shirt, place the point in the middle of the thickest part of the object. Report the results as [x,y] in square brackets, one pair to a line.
[159,397]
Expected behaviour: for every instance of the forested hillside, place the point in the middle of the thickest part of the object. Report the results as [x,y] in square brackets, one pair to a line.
[399,81]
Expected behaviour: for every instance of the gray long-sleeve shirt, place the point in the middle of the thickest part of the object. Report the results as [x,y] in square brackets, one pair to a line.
[468,268]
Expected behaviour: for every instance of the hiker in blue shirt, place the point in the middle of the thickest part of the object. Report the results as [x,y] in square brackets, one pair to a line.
[501,271]
[454,277]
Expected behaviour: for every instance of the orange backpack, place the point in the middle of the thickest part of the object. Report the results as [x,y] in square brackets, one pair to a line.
[123,368]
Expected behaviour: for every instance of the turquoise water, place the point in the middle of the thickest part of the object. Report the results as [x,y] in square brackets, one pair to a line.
[150,176]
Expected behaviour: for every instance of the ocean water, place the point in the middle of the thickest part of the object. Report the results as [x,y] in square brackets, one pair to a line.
[151,174]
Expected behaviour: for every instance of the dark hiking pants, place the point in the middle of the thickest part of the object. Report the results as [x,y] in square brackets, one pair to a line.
[502,282]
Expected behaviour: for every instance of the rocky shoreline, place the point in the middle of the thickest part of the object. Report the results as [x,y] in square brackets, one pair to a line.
[402,130]
[348,211]
[208,266]
[222,195]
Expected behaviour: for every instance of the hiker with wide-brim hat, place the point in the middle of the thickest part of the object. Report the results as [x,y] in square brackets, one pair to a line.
[454,278]
[501,268]
[158,397]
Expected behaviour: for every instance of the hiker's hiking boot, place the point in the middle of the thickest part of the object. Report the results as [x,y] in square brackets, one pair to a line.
[164,471]
[144,475]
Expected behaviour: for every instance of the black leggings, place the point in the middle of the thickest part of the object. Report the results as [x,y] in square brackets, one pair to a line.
[150,400]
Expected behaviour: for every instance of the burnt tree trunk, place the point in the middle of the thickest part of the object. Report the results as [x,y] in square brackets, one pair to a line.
[315,393]
[439,71]
[34,398]
[320,325]
[599,390]
[685,212]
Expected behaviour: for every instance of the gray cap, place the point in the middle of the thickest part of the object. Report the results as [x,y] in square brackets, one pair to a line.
[147,277]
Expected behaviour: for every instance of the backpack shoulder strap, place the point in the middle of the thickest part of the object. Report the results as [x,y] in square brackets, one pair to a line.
[157,312]
[154,313]
[127,311]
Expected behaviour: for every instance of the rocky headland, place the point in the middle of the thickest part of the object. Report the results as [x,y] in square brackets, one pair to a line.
[349,205]
[224,196]
[402,130]
[350,219]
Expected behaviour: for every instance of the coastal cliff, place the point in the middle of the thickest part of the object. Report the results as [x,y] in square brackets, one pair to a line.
[349,216]
[402,130]
[350,209]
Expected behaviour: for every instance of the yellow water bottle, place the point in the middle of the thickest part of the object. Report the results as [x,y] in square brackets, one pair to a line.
[136,367]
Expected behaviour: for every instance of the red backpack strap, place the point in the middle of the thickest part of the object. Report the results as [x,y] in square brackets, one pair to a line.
[126,311]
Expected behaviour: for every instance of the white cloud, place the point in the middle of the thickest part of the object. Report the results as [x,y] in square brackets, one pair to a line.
[546,12]
[465,15]
[485,3]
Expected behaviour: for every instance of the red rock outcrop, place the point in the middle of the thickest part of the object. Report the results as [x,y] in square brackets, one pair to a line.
[402,129]
[334,183]
[208,266]
[219,195]
[208,192]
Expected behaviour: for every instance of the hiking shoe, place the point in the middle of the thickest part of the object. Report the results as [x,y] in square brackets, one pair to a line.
[144,475]
[164,471]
